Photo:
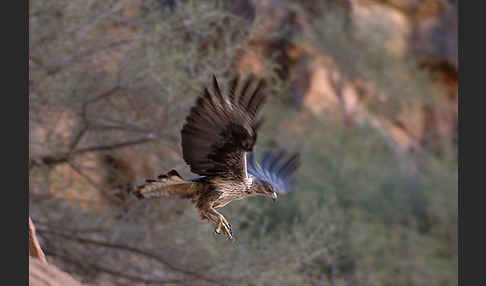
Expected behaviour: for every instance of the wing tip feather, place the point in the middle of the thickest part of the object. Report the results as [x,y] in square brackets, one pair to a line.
[209,116]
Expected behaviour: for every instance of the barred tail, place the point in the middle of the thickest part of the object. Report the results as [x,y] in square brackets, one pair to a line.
[170,184]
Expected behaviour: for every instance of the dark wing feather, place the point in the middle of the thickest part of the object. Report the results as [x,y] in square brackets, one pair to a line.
[276,169]
[221,129]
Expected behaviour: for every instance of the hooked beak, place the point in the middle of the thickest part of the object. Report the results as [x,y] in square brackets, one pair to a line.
[274,196]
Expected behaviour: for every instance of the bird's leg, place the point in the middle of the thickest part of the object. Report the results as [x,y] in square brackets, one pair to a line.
[226,224]
[226,227]
[215,217]
[218,227]
[221,222]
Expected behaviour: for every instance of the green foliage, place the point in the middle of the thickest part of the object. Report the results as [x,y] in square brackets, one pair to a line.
[393,223]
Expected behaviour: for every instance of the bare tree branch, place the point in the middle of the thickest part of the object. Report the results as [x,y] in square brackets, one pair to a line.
[99,268]
[78,137]
[132,250]
[52,160]
[102,190]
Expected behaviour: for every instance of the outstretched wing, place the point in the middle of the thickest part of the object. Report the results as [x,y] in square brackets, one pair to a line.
[220,130]
[276,168]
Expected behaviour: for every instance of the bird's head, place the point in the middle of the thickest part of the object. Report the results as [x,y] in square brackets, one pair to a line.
[266,189]
[274,175]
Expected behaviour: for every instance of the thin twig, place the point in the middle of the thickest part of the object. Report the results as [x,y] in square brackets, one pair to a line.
[78,138]
[133,250]
[52,160]
[112,272]
[102,190]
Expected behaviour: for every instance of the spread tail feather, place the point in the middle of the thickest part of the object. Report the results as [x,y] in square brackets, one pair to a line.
[170,184]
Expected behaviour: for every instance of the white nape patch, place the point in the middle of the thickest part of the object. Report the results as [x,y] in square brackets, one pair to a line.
[229,103]
[245,169]
[274,195]
[248,179]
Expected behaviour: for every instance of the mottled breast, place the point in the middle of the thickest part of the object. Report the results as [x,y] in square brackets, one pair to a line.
[230,190]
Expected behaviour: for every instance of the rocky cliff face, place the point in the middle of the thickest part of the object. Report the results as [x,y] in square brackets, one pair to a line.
[43,274]
[40,272]
[424,31]
[316,77]
[111,82]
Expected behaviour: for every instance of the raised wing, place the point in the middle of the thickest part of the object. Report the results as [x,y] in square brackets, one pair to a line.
[220,130]
[276,168]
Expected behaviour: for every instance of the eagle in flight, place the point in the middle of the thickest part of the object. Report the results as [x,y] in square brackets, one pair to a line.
[218,135]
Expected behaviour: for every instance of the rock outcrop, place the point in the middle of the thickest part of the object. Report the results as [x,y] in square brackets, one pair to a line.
[40,272]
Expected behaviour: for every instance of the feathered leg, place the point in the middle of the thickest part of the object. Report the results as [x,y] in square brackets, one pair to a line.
[220,222]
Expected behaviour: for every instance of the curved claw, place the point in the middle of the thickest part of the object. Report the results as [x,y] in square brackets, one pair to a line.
[228,231]
[229,236]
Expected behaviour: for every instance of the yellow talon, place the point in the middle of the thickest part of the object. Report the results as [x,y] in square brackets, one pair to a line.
[218,228]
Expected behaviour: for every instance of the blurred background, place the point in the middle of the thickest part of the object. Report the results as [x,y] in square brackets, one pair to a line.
[366,90]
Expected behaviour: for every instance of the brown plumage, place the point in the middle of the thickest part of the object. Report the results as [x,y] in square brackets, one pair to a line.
[218,133]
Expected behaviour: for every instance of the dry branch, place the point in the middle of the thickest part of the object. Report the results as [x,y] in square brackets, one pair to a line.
[134,250]
[63,158]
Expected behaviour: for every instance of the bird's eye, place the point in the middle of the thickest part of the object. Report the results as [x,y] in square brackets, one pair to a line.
[247,144]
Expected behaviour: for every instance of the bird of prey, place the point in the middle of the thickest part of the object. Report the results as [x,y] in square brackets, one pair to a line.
[218,134]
